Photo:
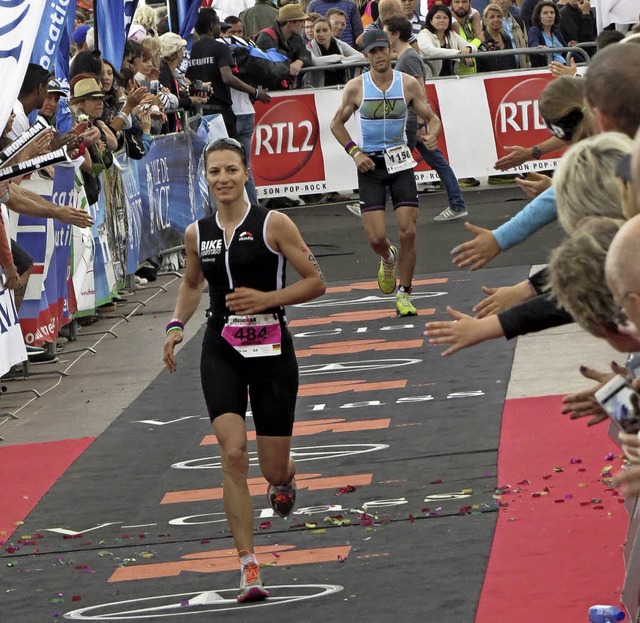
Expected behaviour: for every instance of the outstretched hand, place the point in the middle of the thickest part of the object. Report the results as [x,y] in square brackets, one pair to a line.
[584,403]
[461,332]
[499,299]
[476,253]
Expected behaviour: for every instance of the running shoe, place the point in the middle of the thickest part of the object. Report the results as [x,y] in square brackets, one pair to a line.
[387,273]
[282,499]
[404,306]
[354,208]
[500,180]
[468,182]
[251,588]
[449,214]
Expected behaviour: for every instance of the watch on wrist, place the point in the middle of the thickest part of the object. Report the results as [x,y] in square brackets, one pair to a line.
[536,153]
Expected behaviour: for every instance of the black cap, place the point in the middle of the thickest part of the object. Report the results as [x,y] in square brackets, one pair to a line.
[623,170]
[374,38]
[224,26]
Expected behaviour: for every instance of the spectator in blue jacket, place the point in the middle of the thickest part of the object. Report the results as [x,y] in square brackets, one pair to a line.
[349,8]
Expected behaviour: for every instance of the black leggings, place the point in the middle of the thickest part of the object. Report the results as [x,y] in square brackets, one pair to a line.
[271,382]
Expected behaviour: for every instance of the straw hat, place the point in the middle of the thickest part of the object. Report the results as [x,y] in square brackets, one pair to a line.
[291,13]
[87,87]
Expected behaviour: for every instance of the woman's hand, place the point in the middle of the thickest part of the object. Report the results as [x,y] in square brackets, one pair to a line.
[535,184]
[173,339]
[243,301]
[584,403]
[499,299]
[477,252]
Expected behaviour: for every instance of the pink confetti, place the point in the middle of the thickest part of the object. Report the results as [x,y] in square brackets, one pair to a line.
[411,518]
[609,457]
[575,461]
[265,525]
[275,554]
[341,558]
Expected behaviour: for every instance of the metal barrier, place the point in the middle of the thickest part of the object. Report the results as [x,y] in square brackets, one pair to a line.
[571,51]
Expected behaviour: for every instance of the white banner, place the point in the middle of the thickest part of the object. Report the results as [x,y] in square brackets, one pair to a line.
[294,152]
[12,350]
[19,23]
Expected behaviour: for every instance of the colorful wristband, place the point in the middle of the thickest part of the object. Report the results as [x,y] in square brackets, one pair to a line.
[349,146]
[174,325]
[354,151]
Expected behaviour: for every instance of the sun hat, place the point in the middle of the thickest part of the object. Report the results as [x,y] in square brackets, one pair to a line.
[170,43]
[87,87]
[291,13]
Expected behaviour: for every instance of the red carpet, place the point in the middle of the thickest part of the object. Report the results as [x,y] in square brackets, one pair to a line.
[554,554]
[28,472]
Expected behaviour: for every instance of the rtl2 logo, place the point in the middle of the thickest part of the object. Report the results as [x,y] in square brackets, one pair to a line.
[285,147]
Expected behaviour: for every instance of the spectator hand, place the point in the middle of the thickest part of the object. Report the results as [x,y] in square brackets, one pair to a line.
[91,136]
[630,481]
[10,277]
[73,216]
[429,141]
[517,156]
[477,252]
[559,69]
[198,100]
[144,117]
[535,184]
[173,339]
[585,7]
[462,332]
[247,301]
[630,446]
[263,96]
[137,97]
[295,67]
[584,403]
[39,146]
[499,299]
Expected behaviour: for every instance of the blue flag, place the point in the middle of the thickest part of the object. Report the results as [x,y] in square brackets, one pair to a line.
[51,31]
[110,27]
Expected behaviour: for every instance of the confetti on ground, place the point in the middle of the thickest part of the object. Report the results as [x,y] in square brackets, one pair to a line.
[347,489]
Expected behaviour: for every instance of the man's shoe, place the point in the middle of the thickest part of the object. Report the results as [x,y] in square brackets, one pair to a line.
[282,499]
[449,214]
[404,306]
[500,180]
[251,588]
[354,208]
[468,182]
[387,273]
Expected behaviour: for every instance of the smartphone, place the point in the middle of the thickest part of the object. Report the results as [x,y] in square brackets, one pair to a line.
[154,86]
[615,399]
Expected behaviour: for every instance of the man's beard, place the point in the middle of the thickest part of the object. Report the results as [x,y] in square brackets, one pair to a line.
[461,12]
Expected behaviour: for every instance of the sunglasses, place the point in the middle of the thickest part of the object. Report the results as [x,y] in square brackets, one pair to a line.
[565,127]
[225,140]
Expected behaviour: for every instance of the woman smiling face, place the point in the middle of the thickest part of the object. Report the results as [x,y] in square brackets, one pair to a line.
[440,21]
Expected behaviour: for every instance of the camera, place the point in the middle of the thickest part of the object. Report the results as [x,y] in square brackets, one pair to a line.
[616,399]
[197,86]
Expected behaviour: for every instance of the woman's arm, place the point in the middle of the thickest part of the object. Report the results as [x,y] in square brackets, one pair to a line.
[283,236]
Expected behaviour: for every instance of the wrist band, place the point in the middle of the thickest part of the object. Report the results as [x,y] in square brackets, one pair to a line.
[349,146]
[174,325]
[354,151]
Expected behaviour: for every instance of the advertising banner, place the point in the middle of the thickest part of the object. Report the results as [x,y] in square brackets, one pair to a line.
[55,20]
[294,152]
[12,350]
[44,309]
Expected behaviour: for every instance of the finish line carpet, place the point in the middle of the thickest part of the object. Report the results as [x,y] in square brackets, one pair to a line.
[397,451]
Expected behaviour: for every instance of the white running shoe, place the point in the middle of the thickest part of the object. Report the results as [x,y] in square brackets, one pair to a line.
[354,208]
[450,215]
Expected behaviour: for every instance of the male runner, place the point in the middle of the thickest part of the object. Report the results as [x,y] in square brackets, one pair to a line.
[382,98]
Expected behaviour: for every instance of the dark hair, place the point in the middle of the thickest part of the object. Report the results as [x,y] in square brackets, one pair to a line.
[132,50]
[611,85]
[163,26]
[35,77]
[86,62]
[335,11]
[232,19]
[401,25]
[226,144]
[432,11]
[535,17]
[207,19]
[607,37]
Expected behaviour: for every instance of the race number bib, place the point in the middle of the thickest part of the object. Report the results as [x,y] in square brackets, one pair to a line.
[398,158]
[254,336]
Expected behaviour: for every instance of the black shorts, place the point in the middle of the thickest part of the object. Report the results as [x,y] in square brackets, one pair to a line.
[373,185]
[22,260]
[271,382]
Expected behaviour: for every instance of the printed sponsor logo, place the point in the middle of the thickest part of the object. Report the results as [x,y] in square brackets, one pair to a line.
[210,247]
[287,128]
[513,104]
[245,235]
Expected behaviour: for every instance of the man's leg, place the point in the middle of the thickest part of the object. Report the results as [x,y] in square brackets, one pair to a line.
[407,218]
